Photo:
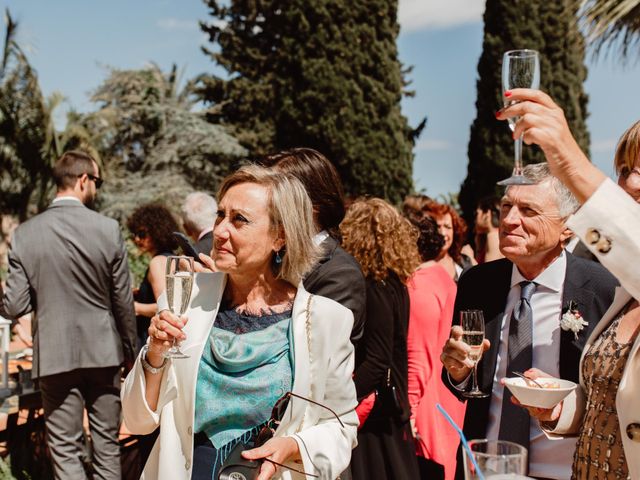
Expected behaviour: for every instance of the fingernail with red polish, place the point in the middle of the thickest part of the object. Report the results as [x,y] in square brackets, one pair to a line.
[498,113]
[507,93]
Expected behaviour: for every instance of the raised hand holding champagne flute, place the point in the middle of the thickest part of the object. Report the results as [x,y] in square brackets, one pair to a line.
[520,69]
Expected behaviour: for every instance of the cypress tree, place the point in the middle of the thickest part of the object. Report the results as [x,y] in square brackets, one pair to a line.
[316,73]
[551,28]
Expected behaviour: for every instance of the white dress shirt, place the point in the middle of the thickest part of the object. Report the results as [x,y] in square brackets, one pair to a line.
[66,197]
[320,237]
[547,458]
[204,232]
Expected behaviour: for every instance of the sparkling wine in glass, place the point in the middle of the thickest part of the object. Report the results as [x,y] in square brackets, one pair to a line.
[472,323]
[179,276]
[520,69]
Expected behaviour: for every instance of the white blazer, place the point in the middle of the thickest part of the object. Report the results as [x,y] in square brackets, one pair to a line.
[323,367]
[609,224]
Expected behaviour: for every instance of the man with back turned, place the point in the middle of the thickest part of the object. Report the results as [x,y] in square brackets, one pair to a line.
[69,266]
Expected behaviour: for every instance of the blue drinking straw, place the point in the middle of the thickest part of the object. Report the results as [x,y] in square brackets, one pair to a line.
[465,444]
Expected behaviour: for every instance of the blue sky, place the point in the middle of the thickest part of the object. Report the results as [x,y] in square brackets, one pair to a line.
[70,43]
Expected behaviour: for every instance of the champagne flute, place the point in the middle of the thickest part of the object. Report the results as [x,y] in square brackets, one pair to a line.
[179,275]
[520,69]
[472,323]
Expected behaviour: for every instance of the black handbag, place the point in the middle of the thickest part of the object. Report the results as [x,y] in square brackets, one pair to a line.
[236,467]
[388,400]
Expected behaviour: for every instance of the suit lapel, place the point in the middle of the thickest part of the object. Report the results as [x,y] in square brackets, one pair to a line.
[576,289]
[493,325]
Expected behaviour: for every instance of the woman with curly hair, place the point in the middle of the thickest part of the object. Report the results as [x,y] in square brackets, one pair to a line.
[455,256]
[384,243]
[151,227]
[432,294]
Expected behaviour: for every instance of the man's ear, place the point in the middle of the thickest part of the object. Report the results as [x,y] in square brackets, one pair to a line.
[81,182]
[566,235]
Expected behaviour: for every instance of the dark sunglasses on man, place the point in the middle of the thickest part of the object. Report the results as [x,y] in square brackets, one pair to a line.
[97,180]
[235,466]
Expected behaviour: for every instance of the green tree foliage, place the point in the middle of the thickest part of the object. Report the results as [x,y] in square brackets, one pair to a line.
[317,73]
[153,146]
[551,28]
[29,143]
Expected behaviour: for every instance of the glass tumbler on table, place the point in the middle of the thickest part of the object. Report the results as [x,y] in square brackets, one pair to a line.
[496,459]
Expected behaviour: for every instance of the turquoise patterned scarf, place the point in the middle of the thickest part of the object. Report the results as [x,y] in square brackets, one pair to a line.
[244,371]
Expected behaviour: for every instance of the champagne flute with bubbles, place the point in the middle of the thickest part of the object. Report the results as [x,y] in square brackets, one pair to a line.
[520,69]
[179,276]
[472,323]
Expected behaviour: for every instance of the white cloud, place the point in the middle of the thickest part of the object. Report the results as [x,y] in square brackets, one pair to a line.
[426,145]
[173,24]
[434,14]
[607,145]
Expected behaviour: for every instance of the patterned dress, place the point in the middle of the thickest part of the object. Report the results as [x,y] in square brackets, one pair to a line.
[599,452]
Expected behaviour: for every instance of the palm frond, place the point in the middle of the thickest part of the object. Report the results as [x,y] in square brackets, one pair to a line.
[612,23]
[9,40]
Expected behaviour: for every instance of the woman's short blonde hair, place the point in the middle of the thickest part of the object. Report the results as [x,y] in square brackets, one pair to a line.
[290,210]
[628,149]
[380,239]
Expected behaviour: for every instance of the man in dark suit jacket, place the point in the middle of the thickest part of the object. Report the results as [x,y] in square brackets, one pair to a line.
[198,215]
[69,266]
[337,275]
[532,233]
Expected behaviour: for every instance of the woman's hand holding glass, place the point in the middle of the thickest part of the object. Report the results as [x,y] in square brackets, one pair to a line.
[520,69]
[165,328]
[542,122]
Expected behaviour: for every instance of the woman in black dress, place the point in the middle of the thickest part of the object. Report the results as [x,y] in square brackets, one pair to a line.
[151,227]
[384,243]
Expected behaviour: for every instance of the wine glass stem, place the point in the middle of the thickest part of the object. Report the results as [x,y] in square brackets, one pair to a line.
[475,377]
[517,166]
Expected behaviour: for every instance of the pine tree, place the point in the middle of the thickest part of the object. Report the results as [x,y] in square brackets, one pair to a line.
[551,28]
[316,73]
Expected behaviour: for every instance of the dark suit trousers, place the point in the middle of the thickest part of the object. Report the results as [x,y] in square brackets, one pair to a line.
[64,398]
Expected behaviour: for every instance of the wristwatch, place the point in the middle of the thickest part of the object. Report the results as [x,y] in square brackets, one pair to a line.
[147,366]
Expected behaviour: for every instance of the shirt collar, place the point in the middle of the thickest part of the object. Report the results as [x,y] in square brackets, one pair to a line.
[204,232]
[318,238]
[66,197]
[552,277]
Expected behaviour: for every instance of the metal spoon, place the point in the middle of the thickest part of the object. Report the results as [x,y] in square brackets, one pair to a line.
[527,379]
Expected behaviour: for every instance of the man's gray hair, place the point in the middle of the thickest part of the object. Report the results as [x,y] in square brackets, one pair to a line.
[566,202]
[199,211]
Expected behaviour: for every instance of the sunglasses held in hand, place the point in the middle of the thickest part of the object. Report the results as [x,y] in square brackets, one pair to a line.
[235,466]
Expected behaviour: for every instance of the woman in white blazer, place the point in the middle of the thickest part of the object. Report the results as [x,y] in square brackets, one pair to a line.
[605,411]
[262,248]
